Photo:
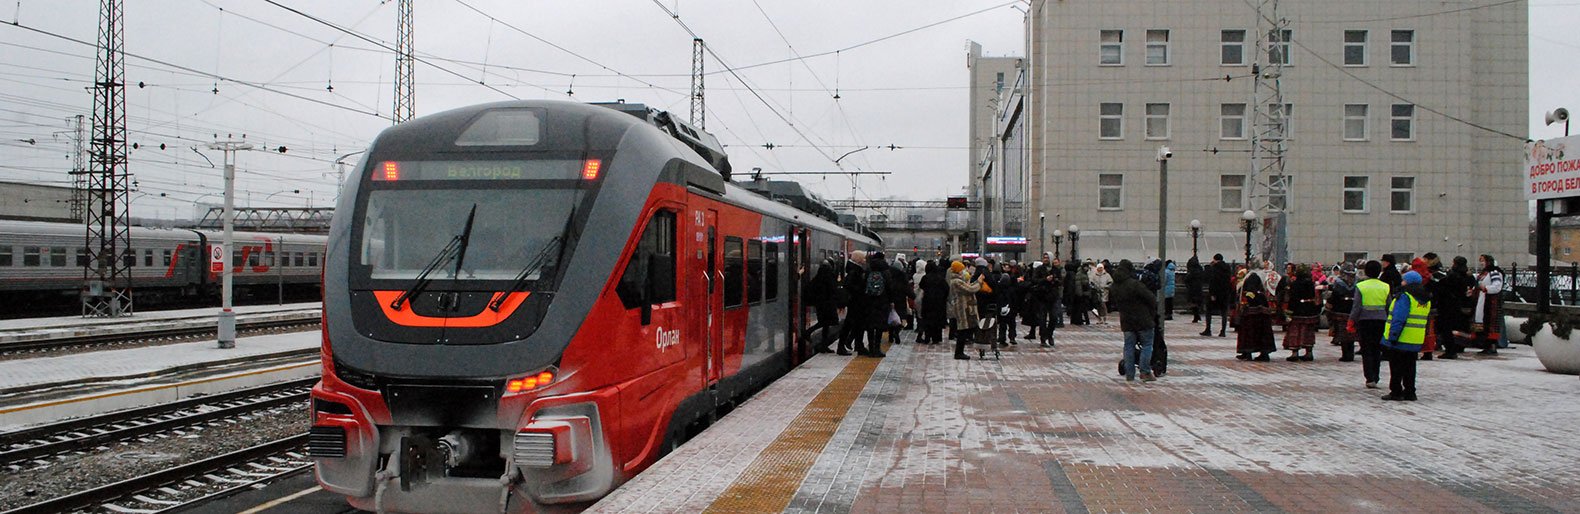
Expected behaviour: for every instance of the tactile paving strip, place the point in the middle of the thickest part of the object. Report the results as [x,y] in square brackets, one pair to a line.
[772,479]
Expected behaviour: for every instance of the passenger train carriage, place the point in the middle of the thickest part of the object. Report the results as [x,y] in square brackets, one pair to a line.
[43,261]
[527,303]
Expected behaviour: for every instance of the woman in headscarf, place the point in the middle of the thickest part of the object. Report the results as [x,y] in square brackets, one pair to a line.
[1486,324]
[1101,282]
[1254,334]
[935,303]
[1301,332]
[1453,304]
[1341,298]
[1422,266]
[963,306]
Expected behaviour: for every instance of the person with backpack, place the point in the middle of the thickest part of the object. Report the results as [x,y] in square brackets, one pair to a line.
[876,294]
[824,293]
[853,329]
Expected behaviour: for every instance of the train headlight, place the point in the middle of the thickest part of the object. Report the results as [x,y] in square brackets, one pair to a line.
[527,383]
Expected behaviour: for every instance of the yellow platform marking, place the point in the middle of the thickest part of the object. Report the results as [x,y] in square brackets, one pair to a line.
[770,482]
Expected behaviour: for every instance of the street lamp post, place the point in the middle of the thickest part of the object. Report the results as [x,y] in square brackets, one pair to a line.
[1163,221]
[1248,220]
[1058,237]
[227,317]
[1195,234]
[1042,225]
[1075,242]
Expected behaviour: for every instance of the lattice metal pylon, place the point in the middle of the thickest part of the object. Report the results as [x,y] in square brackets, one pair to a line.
[405,63]
[699,104]
[107,277]
[1269,181]
[79,166]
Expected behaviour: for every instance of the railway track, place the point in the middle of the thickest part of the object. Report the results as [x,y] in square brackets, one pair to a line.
[157,335]
[36,445]
[188,484]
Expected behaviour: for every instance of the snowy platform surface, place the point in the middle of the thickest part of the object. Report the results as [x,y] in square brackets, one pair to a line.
[1057,430]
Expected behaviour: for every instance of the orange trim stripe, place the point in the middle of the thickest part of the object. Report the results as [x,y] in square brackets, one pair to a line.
[487,318]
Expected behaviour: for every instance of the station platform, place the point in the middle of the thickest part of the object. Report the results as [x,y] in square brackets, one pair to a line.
[1058,430]
[45,389]
[29,329]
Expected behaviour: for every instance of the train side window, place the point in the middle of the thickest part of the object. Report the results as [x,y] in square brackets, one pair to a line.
[30,256]
[734,269]
[148,257]
[57,257]
[5,256]
[754,271]
[129,258]
[235,258]
[299,261]
[771,287]
[312,259]
[652,263]
[82,257]
[166,254]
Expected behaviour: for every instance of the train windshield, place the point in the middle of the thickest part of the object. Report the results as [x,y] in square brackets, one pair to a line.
[404,229]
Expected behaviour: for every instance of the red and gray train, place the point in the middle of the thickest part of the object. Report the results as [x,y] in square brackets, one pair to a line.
[528,303]
[41,263]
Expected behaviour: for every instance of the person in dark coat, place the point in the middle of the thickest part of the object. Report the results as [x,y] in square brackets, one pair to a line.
[1454,292]
[900,294]
[824,293]
[1304,306]
[1075,293]
[853,329]
[935,303]
[1007,290]
[1220,293]
[1138,315]
[1254,333]
[1390,273]
[1155,276]
[1193,280]
[1039,296]
[880,304]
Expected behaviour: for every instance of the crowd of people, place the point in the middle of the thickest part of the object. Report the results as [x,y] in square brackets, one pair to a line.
[1396,313]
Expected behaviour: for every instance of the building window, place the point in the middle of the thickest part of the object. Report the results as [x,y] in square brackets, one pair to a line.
[1403,50]
[1110,191]
[1231,121]
[1111,121]
[1354,48]
[1355,256]
[1278,198]
[1403,122]
[6,258]
[57,257]
[1355,122]
[1401,195]
[1232,48]
[1355,194]
[1111,50]
[1158,47]
[30,256]
[1284,119]
[1231,192]
[1278,46]
[998,83]
[1157,121]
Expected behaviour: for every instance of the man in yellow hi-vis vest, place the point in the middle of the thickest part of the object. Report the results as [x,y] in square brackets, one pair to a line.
[1406,333]
[1367,319]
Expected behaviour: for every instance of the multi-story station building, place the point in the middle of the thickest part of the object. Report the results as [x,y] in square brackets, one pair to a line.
[1403,119]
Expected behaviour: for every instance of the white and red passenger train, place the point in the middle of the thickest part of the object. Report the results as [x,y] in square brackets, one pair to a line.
[42,262]
[528,303]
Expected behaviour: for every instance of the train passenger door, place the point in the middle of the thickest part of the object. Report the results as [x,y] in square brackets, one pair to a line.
[714,312]
[799,270]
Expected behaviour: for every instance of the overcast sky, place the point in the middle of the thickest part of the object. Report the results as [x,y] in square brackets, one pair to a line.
[907,90]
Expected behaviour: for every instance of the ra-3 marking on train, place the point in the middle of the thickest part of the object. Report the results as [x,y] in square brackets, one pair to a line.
[528,303]
[42,262]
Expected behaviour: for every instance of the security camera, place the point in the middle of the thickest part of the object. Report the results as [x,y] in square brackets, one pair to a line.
[1165,153]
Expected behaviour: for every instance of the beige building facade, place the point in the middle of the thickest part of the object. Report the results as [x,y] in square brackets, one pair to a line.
[1405,123]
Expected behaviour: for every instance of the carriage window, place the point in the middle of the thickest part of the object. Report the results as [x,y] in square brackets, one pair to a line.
[772,286]
[312,259]
[129,258]
[754,271]
[254,258]
[148,257]
[5,256]
[652,264]
[82,257]
[57,257]
[30,256]
[299,261]
[235,258]
[166,255]
[734,271]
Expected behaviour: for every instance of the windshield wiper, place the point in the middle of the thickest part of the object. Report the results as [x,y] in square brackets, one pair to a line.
[456,247]
[548,252]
